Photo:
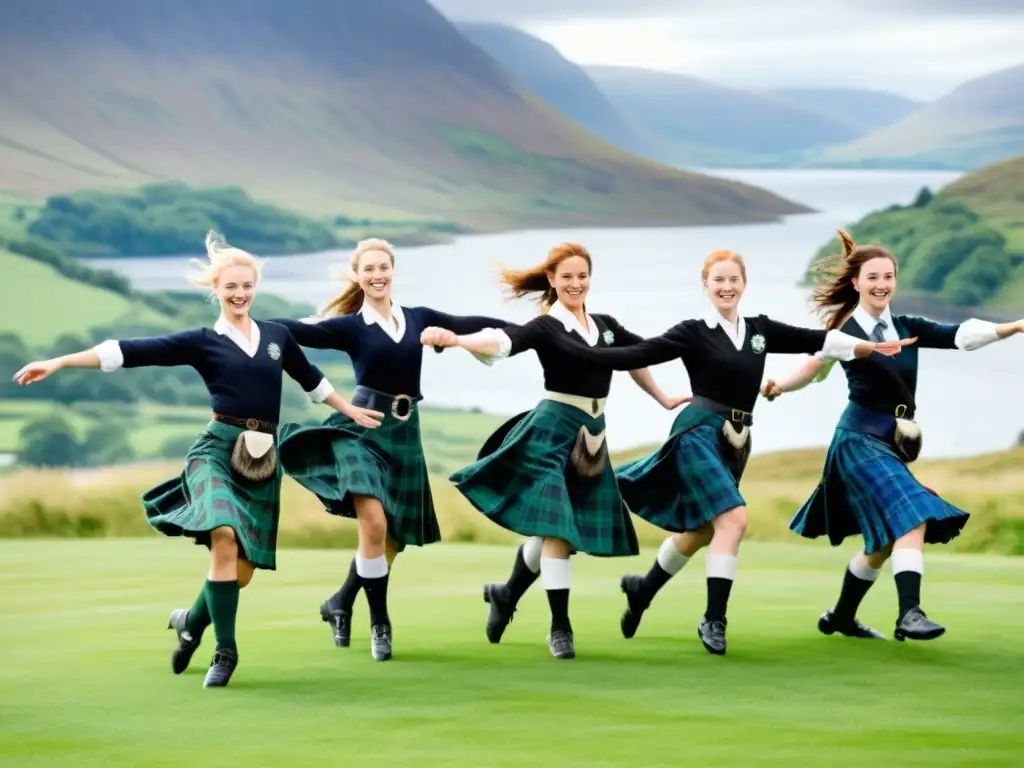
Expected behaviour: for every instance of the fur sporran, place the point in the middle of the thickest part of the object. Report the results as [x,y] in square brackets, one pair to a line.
[254,456]
[589,454]
[906,439]
[735,447]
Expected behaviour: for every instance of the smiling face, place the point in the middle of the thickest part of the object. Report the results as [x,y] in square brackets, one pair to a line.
[725,285]
[235,288]
[876,283]
[571,281]
[374,271]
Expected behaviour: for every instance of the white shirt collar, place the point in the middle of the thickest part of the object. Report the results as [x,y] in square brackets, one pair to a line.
[371,316]
[251,345]
[561,313]
[868,323]
[736,333]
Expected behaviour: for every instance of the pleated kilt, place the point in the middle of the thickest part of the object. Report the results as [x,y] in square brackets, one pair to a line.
[527,485]
[867,489]
[209,494]
[340,459]
[685,484]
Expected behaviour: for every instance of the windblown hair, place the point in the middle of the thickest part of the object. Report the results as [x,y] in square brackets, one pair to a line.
[351,298]
[219,257]
[534,280]
[835,298]
[718,256]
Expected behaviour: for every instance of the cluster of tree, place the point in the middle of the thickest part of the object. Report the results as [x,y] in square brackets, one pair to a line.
[51,441]
[171,219]
[942,247]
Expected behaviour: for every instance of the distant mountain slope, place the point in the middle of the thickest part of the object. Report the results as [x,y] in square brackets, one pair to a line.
[322,106]
[700,114]
[978,123]
[864,110]
[540,67]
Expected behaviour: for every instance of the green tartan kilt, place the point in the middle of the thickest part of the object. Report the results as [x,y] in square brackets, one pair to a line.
[209,494]
[527,485]
[340,459]
[685,484]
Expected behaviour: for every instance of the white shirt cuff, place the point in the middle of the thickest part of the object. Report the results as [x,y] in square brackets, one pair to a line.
[322,392]
[495,335]
[975,334]
[110,355]
[839,346]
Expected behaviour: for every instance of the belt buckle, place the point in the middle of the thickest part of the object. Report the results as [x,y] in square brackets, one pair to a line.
[737,415]
[396,404]
[900,411]
[252,425]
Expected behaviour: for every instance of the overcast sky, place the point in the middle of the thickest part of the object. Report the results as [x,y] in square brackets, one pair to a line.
[918,48]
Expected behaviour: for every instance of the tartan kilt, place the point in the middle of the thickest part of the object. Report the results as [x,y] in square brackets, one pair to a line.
[340,459]
[527,485]
[867,489]
[209,494]
[685,484]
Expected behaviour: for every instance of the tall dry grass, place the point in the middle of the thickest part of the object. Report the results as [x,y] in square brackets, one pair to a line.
[105,502]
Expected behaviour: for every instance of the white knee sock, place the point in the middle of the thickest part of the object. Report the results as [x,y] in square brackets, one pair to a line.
[907,560]
[670,559]
[860,568]
[531,552]
[372,568]
[720,567]
[555,573]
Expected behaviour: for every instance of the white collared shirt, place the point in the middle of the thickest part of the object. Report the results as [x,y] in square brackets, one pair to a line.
[562,313]
[868,323]
[371,316]
[251,345]
[737,333]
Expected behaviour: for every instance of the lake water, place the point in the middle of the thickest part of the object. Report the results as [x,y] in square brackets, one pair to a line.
[649,279]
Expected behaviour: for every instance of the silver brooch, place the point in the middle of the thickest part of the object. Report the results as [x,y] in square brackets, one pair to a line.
[757,343]
[274,351]
[609,337]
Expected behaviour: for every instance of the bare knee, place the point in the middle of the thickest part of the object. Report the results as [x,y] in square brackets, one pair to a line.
[245,572]
[731,524]
[373,523]
[877,559]
[223,544]
[556,548]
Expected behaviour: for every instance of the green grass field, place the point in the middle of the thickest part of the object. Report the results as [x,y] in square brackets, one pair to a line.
[87,681]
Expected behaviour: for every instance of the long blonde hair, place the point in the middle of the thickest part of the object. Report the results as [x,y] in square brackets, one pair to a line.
[349,301]
[219,257]
[522,282]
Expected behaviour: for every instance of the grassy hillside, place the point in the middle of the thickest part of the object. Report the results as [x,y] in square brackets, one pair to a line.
[978,123]
[964,245]
[324,108]
[104,502]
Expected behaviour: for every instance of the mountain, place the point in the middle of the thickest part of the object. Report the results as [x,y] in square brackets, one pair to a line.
[864,110]
[978,123]
[546,73]
[962,246]
[716,121]
[320,106]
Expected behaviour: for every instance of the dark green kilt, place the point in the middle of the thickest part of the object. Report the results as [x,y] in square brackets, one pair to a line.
[209,495]
[867,489]
[528,485]
[339,459]
[685,484]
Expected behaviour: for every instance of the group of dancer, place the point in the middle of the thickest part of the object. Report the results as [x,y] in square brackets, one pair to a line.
[545,474]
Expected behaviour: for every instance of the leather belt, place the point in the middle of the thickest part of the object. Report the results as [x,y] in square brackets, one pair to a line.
[399,406]
[592,406]
[251,425]
[734,415]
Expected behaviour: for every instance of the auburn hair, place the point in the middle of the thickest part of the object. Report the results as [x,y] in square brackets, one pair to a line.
[718,256]
[534,280]
[835,298]
[350,300]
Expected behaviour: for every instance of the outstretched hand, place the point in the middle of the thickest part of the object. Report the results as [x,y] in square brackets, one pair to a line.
[438,337]
[891,348]
[36,371]
[771,390]
[364,417]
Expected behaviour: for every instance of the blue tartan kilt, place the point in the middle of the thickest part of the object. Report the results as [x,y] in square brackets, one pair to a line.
[867,489]
[685,484]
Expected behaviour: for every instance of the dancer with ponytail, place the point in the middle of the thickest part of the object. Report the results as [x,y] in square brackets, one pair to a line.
[227,498]
[690,486]
[866,487]
[545,474]
[377,476]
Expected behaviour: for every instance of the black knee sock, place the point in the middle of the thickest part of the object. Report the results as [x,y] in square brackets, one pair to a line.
[718,598]
[377,598]
[344,598]
[198,615]
[850,596]
[908,588]
[222,598]
[655,579]
[558,599]
[522,577]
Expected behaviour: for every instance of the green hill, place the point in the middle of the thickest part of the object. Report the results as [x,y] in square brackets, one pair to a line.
[963,246]
[343,108]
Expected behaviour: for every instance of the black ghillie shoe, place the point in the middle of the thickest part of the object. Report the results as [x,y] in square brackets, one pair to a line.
[221,668]
[187,642]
